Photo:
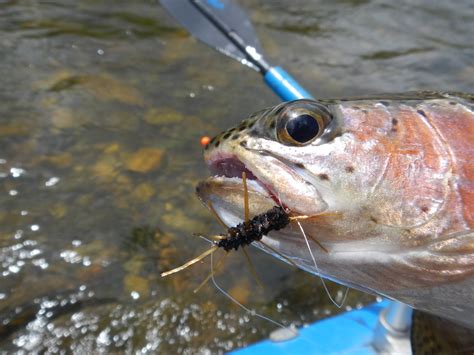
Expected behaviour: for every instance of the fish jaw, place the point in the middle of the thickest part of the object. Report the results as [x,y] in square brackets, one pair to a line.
[225,195]
[262,172]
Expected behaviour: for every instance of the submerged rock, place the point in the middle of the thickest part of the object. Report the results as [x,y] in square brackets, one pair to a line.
[145,160]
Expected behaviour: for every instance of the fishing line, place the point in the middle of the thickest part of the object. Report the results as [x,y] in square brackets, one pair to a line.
[319,273]
[294,331]
[205,238]
[250,311]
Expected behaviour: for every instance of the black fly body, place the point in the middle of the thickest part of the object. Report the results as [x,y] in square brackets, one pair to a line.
[247,232]
[244,234]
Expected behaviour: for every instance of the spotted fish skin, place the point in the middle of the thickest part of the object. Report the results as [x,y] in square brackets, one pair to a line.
[388,184]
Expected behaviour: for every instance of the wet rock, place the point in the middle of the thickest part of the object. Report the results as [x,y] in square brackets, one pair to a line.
[13,129]
[145,160]
[211,74]
[163,116]
[91,272]
[85,200]
[178,50]
[180,221]
[134,265]
[106,87]
[144,192]
[124,182]
[103,86]
[58,210]
[106,168]
[111,148]
[61,160]
[10,218]
[135,283]
[51,81]
[241,291]
[62,118]
[98,252]
[49,101]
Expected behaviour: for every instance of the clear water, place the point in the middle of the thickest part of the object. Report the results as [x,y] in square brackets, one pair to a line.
[87,223]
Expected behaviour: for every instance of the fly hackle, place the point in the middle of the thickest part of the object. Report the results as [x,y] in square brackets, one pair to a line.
[191,262]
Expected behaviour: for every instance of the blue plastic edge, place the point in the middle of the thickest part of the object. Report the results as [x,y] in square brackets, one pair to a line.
[284,85]
[347,333]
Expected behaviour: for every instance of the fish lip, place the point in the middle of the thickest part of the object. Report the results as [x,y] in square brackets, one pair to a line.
[229,166]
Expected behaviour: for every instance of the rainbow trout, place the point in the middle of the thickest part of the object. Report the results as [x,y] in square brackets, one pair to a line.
[385,185]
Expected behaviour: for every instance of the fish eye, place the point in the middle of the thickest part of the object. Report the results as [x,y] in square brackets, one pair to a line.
[303,128]
[301,123]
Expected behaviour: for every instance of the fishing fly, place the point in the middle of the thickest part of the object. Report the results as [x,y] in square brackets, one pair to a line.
[251,230]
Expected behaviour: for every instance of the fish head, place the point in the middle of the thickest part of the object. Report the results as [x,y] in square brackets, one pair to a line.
[328,161]
[271,158]
[309,157]
[368,182]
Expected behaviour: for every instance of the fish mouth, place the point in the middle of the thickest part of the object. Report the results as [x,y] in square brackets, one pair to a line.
[232,168]
[224,190]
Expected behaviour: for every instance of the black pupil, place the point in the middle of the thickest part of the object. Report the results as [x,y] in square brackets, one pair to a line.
[302,128]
